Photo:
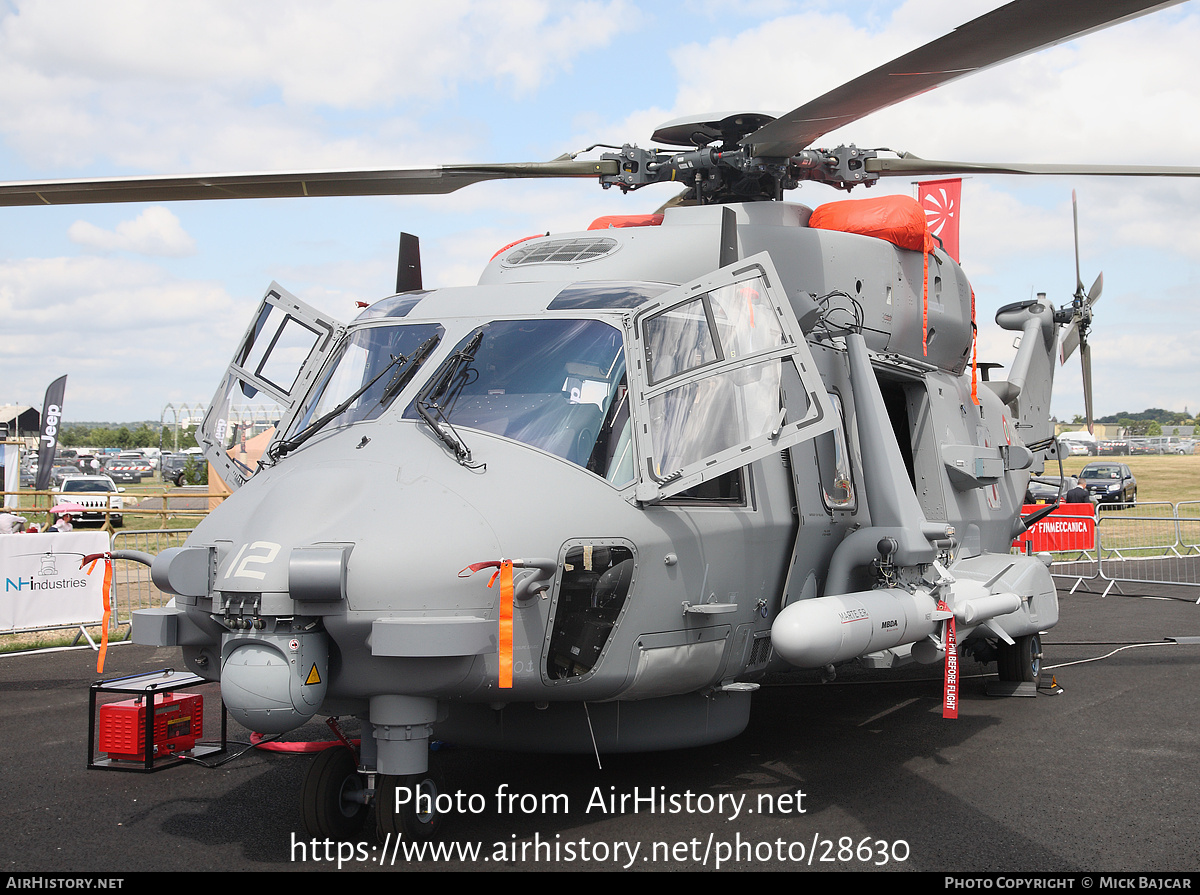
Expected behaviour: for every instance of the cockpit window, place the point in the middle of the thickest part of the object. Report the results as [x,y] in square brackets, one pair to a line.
[363,357]
[396,306]
[546,383]
[601,295]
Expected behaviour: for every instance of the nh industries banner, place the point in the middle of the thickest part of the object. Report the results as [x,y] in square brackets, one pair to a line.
[43,584]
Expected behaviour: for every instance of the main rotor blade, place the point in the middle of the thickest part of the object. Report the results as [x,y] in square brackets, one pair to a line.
[1014,30]
[909,165]
[399,182]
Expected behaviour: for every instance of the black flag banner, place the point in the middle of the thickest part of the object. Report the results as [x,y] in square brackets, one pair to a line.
[51,421]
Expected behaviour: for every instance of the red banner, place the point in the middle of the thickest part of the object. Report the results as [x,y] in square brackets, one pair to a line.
[940,200]
[1072,526]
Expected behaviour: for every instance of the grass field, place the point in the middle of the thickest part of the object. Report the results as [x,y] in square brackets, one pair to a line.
[1170,478]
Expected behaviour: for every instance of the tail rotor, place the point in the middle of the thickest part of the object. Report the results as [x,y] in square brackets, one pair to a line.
[1078,315]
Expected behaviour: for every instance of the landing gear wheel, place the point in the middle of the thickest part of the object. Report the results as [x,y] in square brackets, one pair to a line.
[1021,662]
[405,820]
[332,805]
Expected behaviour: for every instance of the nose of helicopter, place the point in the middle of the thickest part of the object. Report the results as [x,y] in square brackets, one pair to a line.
[307,543]
[403,528]
[338,568]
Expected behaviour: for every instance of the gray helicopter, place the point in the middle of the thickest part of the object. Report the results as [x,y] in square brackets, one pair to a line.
[689,449]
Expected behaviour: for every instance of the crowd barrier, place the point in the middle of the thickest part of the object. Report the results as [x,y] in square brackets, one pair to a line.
[132,588]
[1144,543]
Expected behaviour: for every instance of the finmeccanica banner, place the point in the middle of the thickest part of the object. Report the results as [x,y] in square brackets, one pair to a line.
[43,584]
[1072,526]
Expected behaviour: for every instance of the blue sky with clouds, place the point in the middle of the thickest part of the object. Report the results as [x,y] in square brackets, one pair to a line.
[142,305]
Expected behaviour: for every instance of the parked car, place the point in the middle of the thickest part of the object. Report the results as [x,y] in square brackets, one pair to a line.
[1110,483]
[128,467]
[1077,444]
[59,473]
[1172,444]
[94,493]
[1112,446]
[173,467]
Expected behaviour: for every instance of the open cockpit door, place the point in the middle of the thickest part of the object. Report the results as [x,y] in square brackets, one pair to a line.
[283,349]
[720,377]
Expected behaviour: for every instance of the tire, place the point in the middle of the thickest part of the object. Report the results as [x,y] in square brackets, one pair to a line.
[331,799]
[1021,662]
[405,821]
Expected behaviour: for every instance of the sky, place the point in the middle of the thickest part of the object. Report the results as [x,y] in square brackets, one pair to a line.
[142,305]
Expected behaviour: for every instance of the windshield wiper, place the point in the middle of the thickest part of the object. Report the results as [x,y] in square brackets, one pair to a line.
[447,383]
[404,373]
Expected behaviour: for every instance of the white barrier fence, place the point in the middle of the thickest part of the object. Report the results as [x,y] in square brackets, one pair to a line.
[1144,543]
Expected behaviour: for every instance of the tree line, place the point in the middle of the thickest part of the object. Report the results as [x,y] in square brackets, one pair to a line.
[1148,422]
[125,438]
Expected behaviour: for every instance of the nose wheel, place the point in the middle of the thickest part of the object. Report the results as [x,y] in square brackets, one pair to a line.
[333,801]
[1021,662]
[407,806]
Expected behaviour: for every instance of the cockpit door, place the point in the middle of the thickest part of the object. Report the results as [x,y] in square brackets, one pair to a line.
[283,349]
[720,376]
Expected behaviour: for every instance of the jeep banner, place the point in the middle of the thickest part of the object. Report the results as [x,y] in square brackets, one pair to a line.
[48,439]
[44,586]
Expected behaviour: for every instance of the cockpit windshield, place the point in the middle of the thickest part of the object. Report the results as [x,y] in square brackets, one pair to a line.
[546,383]
[363,358]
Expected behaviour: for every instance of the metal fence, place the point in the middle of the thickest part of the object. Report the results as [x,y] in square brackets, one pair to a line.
[131,585]
[1144,543]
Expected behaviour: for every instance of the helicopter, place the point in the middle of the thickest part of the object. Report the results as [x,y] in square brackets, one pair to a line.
[691,448]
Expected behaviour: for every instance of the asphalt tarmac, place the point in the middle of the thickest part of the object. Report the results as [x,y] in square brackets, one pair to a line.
[862,773]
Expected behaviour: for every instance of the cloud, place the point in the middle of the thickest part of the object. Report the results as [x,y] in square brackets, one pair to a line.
[153,232]
[205,85]
[118,328]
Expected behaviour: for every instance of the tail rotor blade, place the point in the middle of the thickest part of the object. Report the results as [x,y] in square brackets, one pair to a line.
[1070,341]
[1075,216]
[1085,355]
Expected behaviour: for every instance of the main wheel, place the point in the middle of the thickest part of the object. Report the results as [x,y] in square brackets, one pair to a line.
[332,803]
[406,806]
[1021,662]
